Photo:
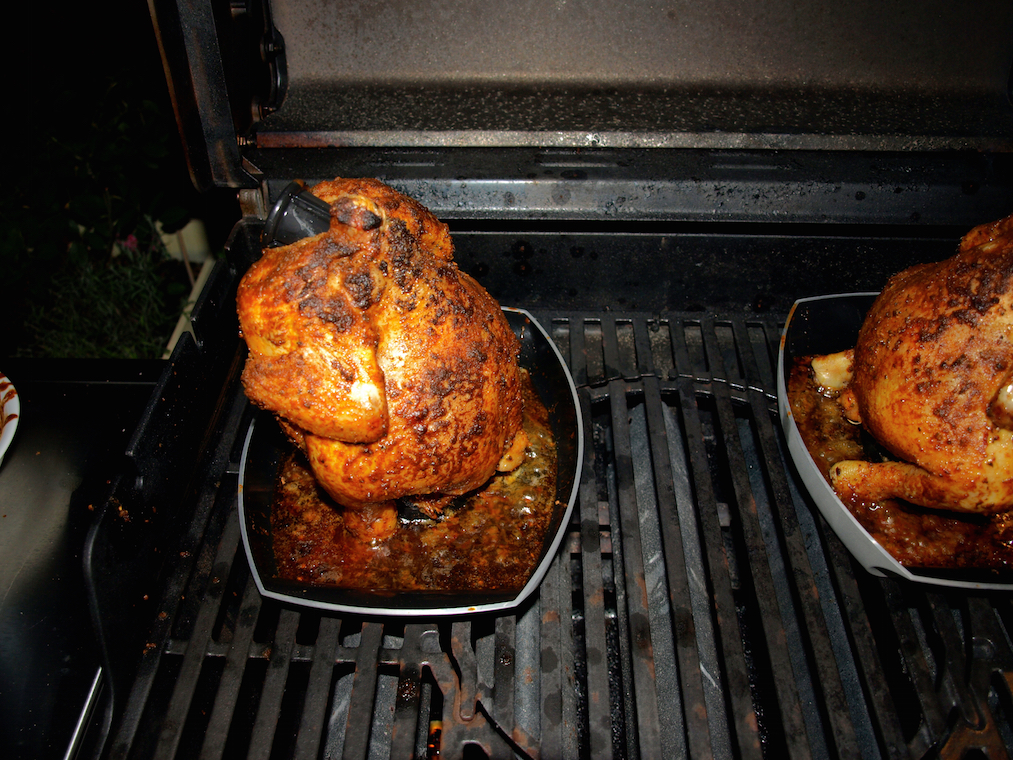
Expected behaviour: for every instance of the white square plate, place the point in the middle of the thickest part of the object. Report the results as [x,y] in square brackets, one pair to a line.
[823,325]
[262,454]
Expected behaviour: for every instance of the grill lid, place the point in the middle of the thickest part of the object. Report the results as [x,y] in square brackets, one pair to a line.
[817,76]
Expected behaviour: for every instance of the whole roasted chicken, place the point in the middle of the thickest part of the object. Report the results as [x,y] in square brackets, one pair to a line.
[392,370]
[930,378]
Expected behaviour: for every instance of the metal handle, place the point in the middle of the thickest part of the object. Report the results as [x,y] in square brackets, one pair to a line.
[296,214]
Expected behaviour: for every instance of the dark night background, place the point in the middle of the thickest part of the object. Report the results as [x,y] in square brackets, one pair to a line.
[94,158]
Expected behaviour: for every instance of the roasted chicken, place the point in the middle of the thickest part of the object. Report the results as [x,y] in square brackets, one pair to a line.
[395,372]
[930,379]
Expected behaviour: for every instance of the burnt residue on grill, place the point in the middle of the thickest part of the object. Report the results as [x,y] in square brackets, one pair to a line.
[490,539]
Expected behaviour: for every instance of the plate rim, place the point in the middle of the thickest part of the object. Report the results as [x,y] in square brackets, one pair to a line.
[12,406]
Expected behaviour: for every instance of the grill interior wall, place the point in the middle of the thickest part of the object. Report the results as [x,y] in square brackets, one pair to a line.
[698,607]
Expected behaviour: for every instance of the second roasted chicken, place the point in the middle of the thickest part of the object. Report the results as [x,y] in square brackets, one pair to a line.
[395,372]
[931,378]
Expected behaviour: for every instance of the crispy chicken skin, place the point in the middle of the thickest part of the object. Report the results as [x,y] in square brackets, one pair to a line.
[395,372]
[931,374]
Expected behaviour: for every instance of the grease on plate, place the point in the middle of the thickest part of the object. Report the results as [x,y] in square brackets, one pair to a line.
[917,538]
[488,540]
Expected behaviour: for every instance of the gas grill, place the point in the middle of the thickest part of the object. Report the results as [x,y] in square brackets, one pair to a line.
[658,218]
[698,607]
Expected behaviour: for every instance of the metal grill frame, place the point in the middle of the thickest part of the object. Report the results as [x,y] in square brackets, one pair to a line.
[699,607]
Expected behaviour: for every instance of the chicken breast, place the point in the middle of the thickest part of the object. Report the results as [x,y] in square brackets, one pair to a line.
[931,377]
[395,372]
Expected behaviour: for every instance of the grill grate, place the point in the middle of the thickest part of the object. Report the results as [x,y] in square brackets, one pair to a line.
[698,608]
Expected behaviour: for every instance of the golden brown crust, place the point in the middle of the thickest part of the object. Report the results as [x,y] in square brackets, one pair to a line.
[395,371]
[930,359]
[311,347]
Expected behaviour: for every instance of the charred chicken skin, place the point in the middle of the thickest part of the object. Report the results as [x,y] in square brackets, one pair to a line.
[930,379]
[395,372]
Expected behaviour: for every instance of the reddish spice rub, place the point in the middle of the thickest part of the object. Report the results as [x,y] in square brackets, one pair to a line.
[395,372]
[931,360]
[915,537]
[7,392]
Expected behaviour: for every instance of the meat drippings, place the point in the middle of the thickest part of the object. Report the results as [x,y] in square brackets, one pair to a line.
[917,538]
[488,540]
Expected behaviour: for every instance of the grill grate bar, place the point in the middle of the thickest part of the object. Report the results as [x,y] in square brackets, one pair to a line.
[784,668]
[232,676]
[883,710]
[735,681]
[555,660]
[921,673]
[576,357]
[205,526]
[317,695]
[694,713]
[193,659]
[632,603]
[671,711]
[623,537]
[503,672]
[698,608]
[595,658]
[954,662]
[837,711]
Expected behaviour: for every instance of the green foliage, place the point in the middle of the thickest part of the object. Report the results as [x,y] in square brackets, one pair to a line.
[79,237]
[125,307]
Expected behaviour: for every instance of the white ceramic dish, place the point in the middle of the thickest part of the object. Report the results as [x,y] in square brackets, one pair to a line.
[822,325]
[10,414]
[262,453]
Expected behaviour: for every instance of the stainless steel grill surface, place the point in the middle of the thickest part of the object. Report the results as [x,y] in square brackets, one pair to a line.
[698,608]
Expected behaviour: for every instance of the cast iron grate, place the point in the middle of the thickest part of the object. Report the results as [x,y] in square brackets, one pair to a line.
[696,609]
